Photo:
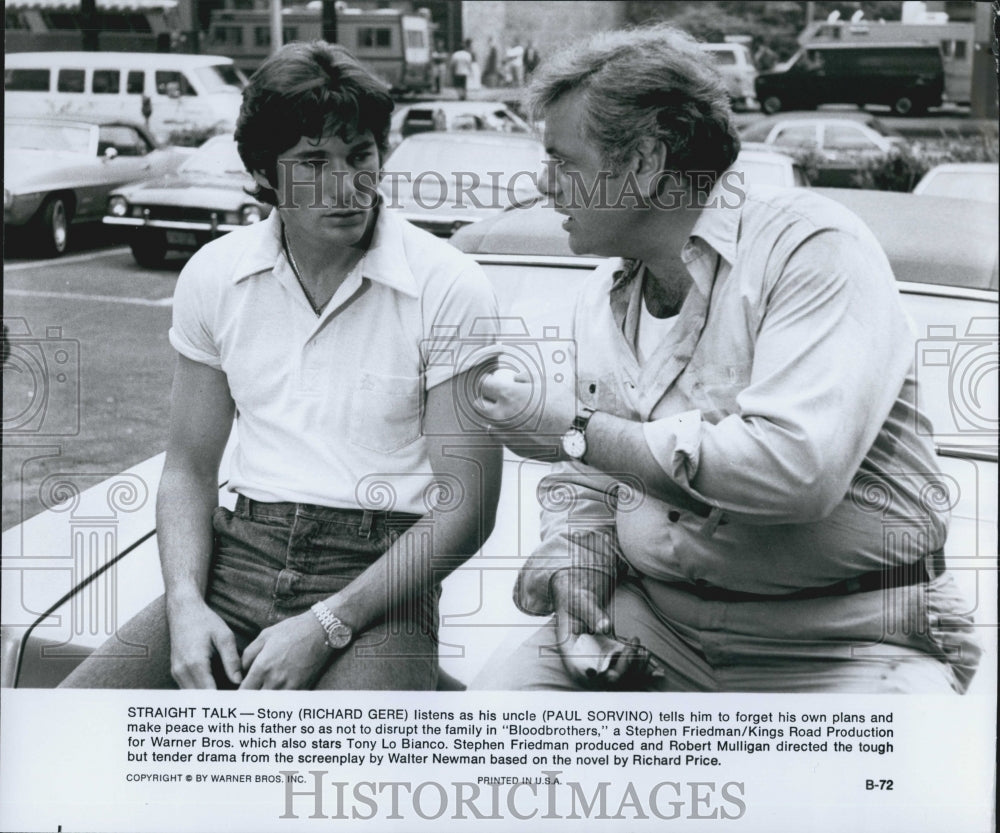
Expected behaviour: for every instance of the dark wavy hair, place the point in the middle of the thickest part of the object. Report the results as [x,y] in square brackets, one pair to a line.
[636,83]
[312,90]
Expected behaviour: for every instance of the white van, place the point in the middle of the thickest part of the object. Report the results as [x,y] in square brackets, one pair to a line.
[735,64]
[186,92]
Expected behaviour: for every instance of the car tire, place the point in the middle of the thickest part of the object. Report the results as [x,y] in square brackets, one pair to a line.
[905,105]
[53,223]
[771,105]
[149,248]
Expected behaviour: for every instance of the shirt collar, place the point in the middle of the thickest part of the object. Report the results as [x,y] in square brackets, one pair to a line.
[385,261]
[263,253]
[718,225]
[716,230]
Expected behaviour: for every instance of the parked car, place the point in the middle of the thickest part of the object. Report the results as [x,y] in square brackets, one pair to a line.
[59,172]
[207,196]
[736,66]
[442,181]
[454,115]
[909,77]
[966,180]
[836,145]
[77,571]
[764,165]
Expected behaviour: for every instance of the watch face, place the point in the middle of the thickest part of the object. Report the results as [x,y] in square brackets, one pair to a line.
[574,443]
[339,636]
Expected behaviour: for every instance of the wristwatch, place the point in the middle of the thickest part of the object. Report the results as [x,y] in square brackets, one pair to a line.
[574,441]
[338,635]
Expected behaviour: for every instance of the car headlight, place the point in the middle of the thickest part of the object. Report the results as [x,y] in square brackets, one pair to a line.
[250,214]
[117,206]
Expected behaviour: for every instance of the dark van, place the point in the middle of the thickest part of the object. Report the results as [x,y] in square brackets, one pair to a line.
[907,77]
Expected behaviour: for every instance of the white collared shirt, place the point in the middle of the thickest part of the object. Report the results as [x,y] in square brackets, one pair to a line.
[329,407]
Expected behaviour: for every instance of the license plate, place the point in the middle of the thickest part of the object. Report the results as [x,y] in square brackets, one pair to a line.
[182,238]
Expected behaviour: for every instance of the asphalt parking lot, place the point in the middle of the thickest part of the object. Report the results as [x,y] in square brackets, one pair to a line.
[86,384]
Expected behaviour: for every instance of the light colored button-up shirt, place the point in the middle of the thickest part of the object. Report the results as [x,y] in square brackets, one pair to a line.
[329,407]
[784,397]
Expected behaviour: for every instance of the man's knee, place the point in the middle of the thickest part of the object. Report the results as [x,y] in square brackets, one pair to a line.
[533,664]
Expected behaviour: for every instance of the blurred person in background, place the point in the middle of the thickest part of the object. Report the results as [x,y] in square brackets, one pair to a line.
[461,68]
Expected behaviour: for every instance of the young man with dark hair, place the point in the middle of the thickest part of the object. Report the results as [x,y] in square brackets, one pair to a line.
[335,333]
[747,479]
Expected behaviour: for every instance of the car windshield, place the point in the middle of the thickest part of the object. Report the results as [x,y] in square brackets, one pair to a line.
[497,118]
[968,185]
[757,132]
[216,158]
[221,78]
[784,66]
[452,158]
[723,57]
[72,138]
[880,127]
[762,171]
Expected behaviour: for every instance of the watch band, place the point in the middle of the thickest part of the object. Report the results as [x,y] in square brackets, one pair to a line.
[581,419]
[330,624]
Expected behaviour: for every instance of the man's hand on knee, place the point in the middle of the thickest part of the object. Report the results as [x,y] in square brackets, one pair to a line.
[579,597]
[197,633]
[591,652]
[287,655]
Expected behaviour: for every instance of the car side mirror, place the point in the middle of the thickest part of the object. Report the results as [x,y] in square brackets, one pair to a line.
[110,152]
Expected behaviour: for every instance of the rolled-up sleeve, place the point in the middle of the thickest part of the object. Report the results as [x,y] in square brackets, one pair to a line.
[830,358]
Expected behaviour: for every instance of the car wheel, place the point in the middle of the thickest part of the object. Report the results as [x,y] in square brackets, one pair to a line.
[771,105]
[904,106]
[53,225]
[149,248]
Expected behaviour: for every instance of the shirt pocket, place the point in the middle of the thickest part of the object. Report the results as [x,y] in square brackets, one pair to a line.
[602,393]
[385,411]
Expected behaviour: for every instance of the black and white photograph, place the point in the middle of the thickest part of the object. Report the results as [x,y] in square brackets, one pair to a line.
[570,414]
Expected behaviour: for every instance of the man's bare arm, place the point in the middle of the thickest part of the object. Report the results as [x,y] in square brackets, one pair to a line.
[201,417]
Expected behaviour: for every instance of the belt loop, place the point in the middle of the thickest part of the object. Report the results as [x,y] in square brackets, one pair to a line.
[935,564]
[367,519]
